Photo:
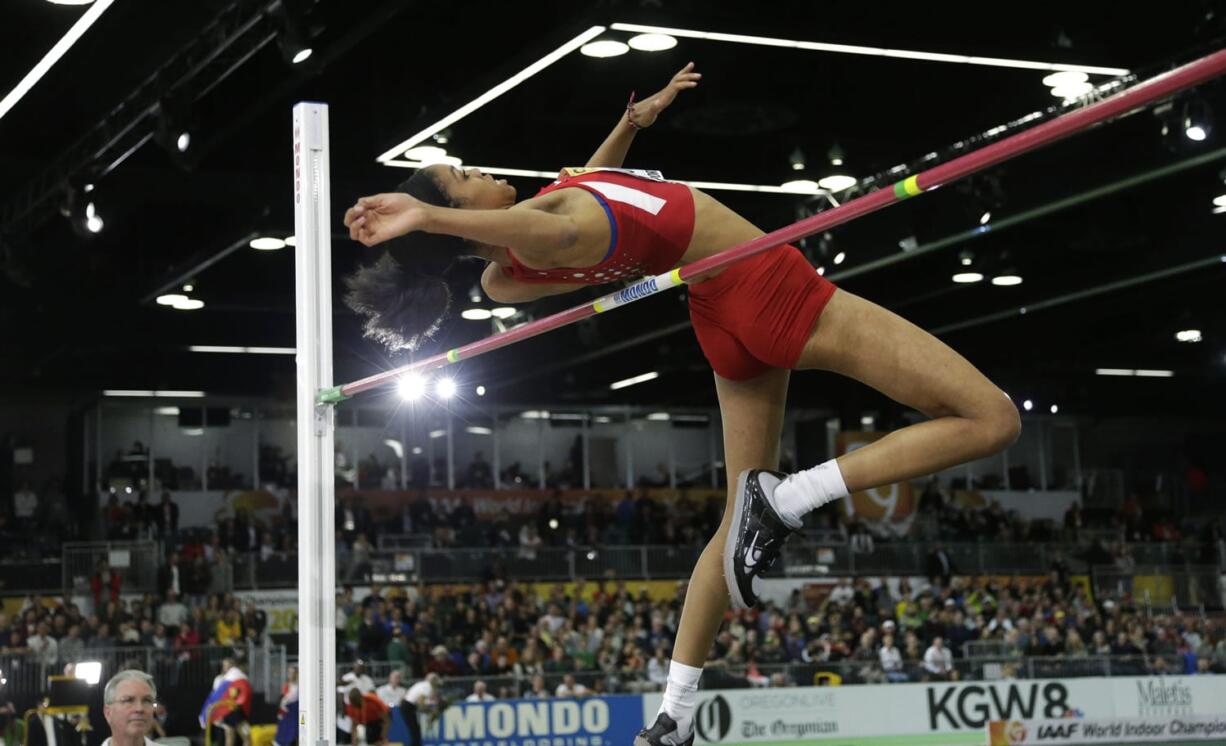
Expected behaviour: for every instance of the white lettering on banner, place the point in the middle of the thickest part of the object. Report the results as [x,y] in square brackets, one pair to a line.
[554,722]
[1106,731]
[629,196]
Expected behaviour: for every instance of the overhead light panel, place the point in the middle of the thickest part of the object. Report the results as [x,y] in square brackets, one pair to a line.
[438,434]
[267,243]
[800,186]
[476,314]
[966,278]
[1055,409]
[652,42]
[837,182]
[504,312]
[658,417]
[604,48]
[1140,372]
[634,380]
[229,349]
[1188,335]
[171,299]
[154,394]
[478,430]
[1007,279]
[870,51]
[480,391]
[188,304]
[74,33]
[1064,78]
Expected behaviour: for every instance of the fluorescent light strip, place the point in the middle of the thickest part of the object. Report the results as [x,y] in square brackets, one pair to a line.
[50,58]
[708,185]
[244,350]
[1140,372]
[158,394]
[495,92]
[871,51]
[631,381]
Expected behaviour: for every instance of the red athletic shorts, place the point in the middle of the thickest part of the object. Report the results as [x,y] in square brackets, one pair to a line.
[758,313]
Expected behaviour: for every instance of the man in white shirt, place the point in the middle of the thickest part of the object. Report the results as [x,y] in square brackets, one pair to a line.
[173,613]
[46,650]
[128,702]
[424,697]
[392,693]
[938,661]
[843,592]
[357,677]
[479,693]
[657,669]
[891,660]
[571,688]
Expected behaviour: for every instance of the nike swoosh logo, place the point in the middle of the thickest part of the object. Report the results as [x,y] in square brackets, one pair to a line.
[752,553]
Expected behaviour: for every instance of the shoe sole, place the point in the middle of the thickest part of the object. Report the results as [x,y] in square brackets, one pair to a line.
[730,544]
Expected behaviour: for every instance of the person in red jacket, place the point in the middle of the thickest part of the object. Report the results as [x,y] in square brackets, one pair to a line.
[105,580]
[367,709]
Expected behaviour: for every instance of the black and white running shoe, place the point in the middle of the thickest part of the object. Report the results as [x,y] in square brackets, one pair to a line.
[756,537]
[663,732]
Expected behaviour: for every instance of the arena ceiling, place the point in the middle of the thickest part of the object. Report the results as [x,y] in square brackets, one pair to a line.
[76,309]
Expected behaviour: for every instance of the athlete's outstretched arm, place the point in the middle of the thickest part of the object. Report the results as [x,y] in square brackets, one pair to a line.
[640,114]
[503,289]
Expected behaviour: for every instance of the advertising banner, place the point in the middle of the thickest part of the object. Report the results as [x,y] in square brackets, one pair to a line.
[1108,731]
[593,721]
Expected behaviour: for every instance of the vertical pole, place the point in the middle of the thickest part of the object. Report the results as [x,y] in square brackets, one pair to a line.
[587,452]
[97,451]
[151,450]
[255,449]
[450,450]
[1042,456]
[404,452]
[316,429]
[1077,458]
[629,440]
[497,449]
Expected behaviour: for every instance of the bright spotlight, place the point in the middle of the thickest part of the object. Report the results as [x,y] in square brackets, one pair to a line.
[445,388]
[480,391]
[1054,409]
[412,387]
[183,141]
[1027,405]
[553,523]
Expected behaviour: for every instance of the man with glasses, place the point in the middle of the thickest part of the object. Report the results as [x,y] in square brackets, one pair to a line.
[128,704]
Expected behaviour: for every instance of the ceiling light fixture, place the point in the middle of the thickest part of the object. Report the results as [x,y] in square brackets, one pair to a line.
[267,243]
[634,380]
[870,51]
[504,312]
[230,349]
[445,388]
[652,42]
[411,387]
[1188,335]
[157,394]
[837,182]
[966,278]
[604,48]
[1065,77]
[1007,279]
[188,304]
[171,299]
[476,314]
[74,33]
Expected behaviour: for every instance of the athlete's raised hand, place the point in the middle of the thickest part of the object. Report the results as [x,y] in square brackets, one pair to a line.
[643,113]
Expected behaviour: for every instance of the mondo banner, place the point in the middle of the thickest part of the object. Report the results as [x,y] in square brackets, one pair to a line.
[593,721]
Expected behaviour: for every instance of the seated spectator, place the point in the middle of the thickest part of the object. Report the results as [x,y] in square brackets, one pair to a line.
[938,662]
[571,688]
[479,693]
[891,660]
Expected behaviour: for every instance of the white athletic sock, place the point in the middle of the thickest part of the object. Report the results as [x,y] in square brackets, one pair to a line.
[681,695]
[808,490]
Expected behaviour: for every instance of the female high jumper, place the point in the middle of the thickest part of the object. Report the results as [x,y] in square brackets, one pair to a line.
[756,321]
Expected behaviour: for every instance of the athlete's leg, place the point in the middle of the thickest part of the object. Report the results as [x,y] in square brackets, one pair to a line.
[752,414]
[971,417]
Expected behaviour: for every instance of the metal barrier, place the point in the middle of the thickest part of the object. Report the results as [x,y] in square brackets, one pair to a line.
[461,565]
[136,562]
[1163,588]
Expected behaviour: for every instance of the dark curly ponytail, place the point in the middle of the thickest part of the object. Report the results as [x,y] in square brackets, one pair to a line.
[404,295]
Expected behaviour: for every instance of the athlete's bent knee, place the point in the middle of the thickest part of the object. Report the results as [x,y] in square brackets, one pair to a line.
[1000,426]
